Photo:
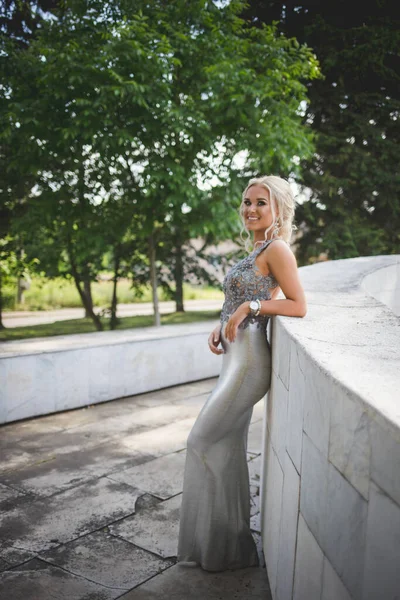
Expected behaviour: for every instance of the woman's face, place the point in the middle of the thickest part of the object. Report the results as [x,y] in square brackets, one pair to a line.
[257,210]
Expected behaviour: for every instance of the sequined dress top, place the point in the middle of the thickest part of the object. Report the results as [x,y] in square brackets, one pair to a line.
[245,282]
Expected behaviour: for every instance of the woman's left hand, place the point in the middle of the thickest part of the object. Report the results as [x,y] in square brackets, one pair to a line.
[234,321]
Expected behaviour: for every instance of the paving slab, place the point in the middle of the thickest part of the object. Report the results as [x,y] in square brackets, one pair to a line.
[254,503]
[88,414]
[141,417]
[255,522]
[23,430]
[258,411]
[15,454]
[187,583]
[162,477]
[177,394]
[254,475]
[26,442]
[11,557]
[4,565]
[46,523]
[37,580]
[60,473]
[8,496]
[196,402]
[161,440]
[258,540]
[254,440]
[255,470]
[156,530]
[107,560]
[64,466]
[145,439]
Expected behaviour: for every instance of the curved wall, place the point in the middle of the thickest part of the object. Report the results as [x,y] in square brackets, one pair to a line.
[44,375]
[384,285]
[330,485]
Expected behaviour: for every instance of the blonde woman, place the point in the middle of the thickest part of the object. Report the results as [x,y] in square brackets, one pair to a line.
[214,530]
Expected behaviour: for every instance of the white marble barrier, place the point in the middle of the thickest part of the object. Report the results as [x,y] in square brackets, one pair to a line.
[330,495]
[384,285]
[45,375]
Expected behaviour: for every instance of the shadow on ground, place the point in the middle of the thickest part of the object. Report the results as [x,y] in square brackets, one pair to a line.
[90,502]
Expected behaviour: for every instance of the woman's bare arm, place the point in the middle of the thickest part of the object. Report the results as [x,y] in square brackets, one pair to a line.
[283,265]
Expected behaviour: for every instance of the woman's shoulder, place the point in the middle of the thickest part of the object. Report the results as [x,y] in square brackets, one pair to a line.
[279,251]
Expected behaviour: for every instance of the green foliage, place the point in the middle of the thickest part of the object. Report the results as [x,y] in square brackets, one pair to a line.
[354,207]
[126,119]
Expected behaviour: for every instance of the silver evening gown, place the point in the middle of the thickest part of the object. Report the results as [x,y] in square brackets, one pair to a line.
[214,529]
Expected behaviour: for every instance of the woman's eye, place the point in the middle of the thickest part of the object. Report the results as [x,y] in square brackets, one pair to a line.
[260,203]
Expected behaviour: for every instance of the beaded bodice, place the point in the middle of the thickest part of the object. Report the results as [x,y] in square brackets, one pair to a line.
[245,282]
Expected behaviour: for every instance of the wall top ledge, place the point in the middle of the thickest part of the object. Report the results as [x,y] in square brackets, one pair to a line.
[349,334]
[61,343]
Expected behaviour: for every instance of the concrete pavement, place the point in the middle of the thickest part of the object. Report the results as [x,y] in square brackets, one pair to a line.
[90,503]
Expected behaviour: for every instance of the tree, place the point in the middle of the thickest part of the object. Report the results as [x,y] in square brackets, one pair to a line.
[233,90]
[354,207]
[71,123]
[125,107]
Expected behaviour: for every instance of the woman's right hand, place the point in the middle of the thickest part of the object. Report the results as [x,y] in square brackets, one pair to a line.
[214,340]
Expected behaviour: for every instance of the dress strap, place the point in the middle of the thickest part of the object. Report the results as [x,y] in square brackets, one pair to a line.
[257,251]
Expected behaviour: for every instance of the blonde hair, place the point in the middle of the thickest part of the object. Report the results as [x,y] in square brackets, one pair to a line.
[282,203]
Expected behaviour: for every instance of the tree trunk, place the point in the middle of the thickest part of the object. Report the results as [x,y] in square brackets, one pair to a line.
[20,291]
[88,304]
[114,321]
[178,274]
[88,293]
[85,302]
[1,304]
[153,280]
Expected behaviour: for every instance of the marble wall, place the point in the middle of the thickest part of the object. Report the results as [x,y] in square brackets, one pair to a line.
[384,285]
[330,486]
[47,375]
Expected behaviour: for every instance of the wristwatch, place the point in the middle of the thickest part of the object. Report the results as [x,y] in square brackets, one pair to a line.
[255,307]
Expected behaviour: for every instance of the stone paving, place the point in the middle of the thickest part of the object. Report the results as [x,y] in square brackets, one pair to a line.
[90,500]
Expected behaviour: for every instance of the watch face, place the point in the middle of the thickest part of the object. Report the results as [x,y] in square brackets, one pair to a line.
[253,305]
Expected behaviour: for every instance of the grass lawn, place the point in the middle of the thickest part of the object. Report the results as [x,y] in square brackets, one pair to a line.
[86,325]
[48,294]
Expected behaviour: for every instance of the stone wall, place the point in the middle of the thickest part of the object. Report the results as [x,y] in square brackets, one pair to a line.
[45,375]
[330,486]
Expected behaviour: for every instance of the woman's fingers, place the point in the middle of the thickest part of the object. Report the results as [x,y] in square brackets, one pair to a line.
[230,332]
[213,342]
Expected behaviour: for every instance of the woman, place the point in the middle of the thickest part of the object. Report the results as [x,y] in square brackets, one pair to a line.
[215,512]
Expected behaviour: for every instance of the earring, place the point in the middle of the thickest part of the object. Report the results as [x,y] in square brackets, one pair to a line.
[275,232]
